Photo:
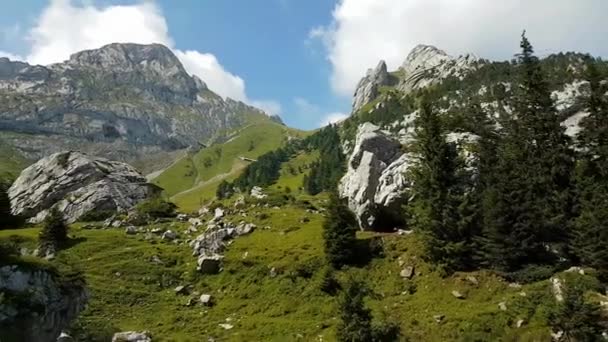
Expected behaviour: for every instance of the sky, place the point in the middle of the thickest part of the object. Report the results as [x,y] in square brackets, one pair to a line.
[300,59]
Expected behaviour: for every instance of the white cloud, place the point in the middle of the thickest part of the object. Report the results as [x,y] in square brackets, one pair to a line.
[364,31]
[332,118]
[64,28]
[10,56]
[269,106]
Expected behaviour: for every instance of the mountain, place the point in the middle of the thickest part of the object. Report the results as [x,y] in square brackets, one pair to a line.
[122,101]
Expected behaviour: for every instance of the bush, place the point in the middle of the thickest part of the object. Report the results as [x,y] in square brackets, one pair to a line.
[157,208]
[7,219]
[329,284]
[579,320]
[97,215]
[355,323]
[531,273]
[54,231]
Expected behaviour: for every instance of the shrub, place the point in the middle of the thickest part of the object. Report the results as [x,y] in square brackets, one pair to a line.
[97,215]
[579,320]
[54,231]
[355,323]
[329,284]
[157,207]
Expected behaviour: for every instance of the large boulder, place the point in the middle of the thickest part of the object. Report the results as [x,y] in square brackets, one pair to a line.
[77,184]
[37,303]
[375,183]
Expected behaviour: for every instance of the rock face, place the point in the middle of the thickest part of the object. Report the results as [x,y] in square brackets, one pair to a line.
[36,305]
[121,101]
[368,87]
[77,184]
[375,183]
[426,65]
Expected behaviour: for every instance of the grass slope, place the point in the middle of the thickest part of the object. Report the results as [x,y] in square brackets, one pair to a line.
[129,291]
[193,179]
[11,162]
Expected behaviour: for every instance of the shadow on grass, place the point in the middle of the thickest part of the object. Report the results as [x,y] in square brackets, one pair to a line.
[368,249]
[71,242]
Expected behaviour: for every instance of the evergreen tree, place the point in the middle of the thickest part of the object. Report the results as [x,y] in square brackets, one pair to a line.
[339,233]
[356,319]
[528,204]
[54,231]
[578,319]
[5,205]
[224,190]
[438,195]
[590,240]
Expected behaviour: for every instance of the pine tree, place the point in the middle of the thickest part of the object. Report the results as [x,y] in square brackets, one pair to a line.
[5,205]
[339,233]
[590,240]
[356,319]
[54,231]
[579,320]
[528,204]
[438,195]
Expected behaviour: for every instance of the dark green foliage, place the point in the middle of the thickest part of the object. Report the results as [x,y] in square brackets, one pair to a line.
[54,229]
[157,207]
[224,190]
[578,319]
[528,204]
[339,233]
[326,172]
[591,225]
[7,219]
[329,283]
[438,209]
[355,319]
[97,215]
[264,171]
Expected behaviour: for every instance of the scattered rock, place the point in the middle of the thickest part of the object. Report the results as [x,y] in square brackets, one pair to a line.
[557,287]
[258,193]
[205,299]
[117,224]
[226,326]
[576,269]
[404,232]
[515,285]
[190,302]
[219,213]
[64,337]
[240,202]
[210,264]
[438,318]
[502,306]
[272,273]
[191,229]
[182,217]
[169,235]
[473,280]
[407,272]
[557,336]
[132,336]
[182,290]
[195,222]
[156,260]
[157,231]
[304,219]
[203,211]
[131,230]
[245,228]
[458,295]
[520,323]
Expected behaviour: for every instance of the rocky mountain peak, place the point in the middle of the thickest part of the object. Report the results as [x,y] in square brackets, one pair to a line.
[127,56]
[424,57]
[367,89]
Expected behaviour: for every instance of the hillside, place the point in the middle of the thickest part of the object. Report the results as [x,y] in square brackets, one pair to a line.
[121,101]
[192,180]
[254,264]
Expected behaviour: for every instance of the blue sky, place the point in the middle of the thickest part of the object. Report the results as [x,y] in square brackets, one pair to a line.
[299,58]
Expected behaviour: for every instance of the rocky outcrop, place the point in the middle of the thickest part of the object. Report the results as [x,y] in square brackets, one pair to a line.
[122,101]
[77,184]
[375,183]
[368,87]
[37,304]
[132,336]
[426,65]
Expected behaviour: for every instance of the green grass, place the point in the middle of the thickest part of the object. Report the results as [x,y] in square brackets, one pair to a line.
[11,162]
[193,179]
[129,292]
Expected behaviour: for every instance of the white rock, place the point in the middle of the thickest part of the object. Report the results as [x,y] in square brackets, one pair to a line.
[258,193]
[132,336]
[205,299]
[169,235]
[77,184]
